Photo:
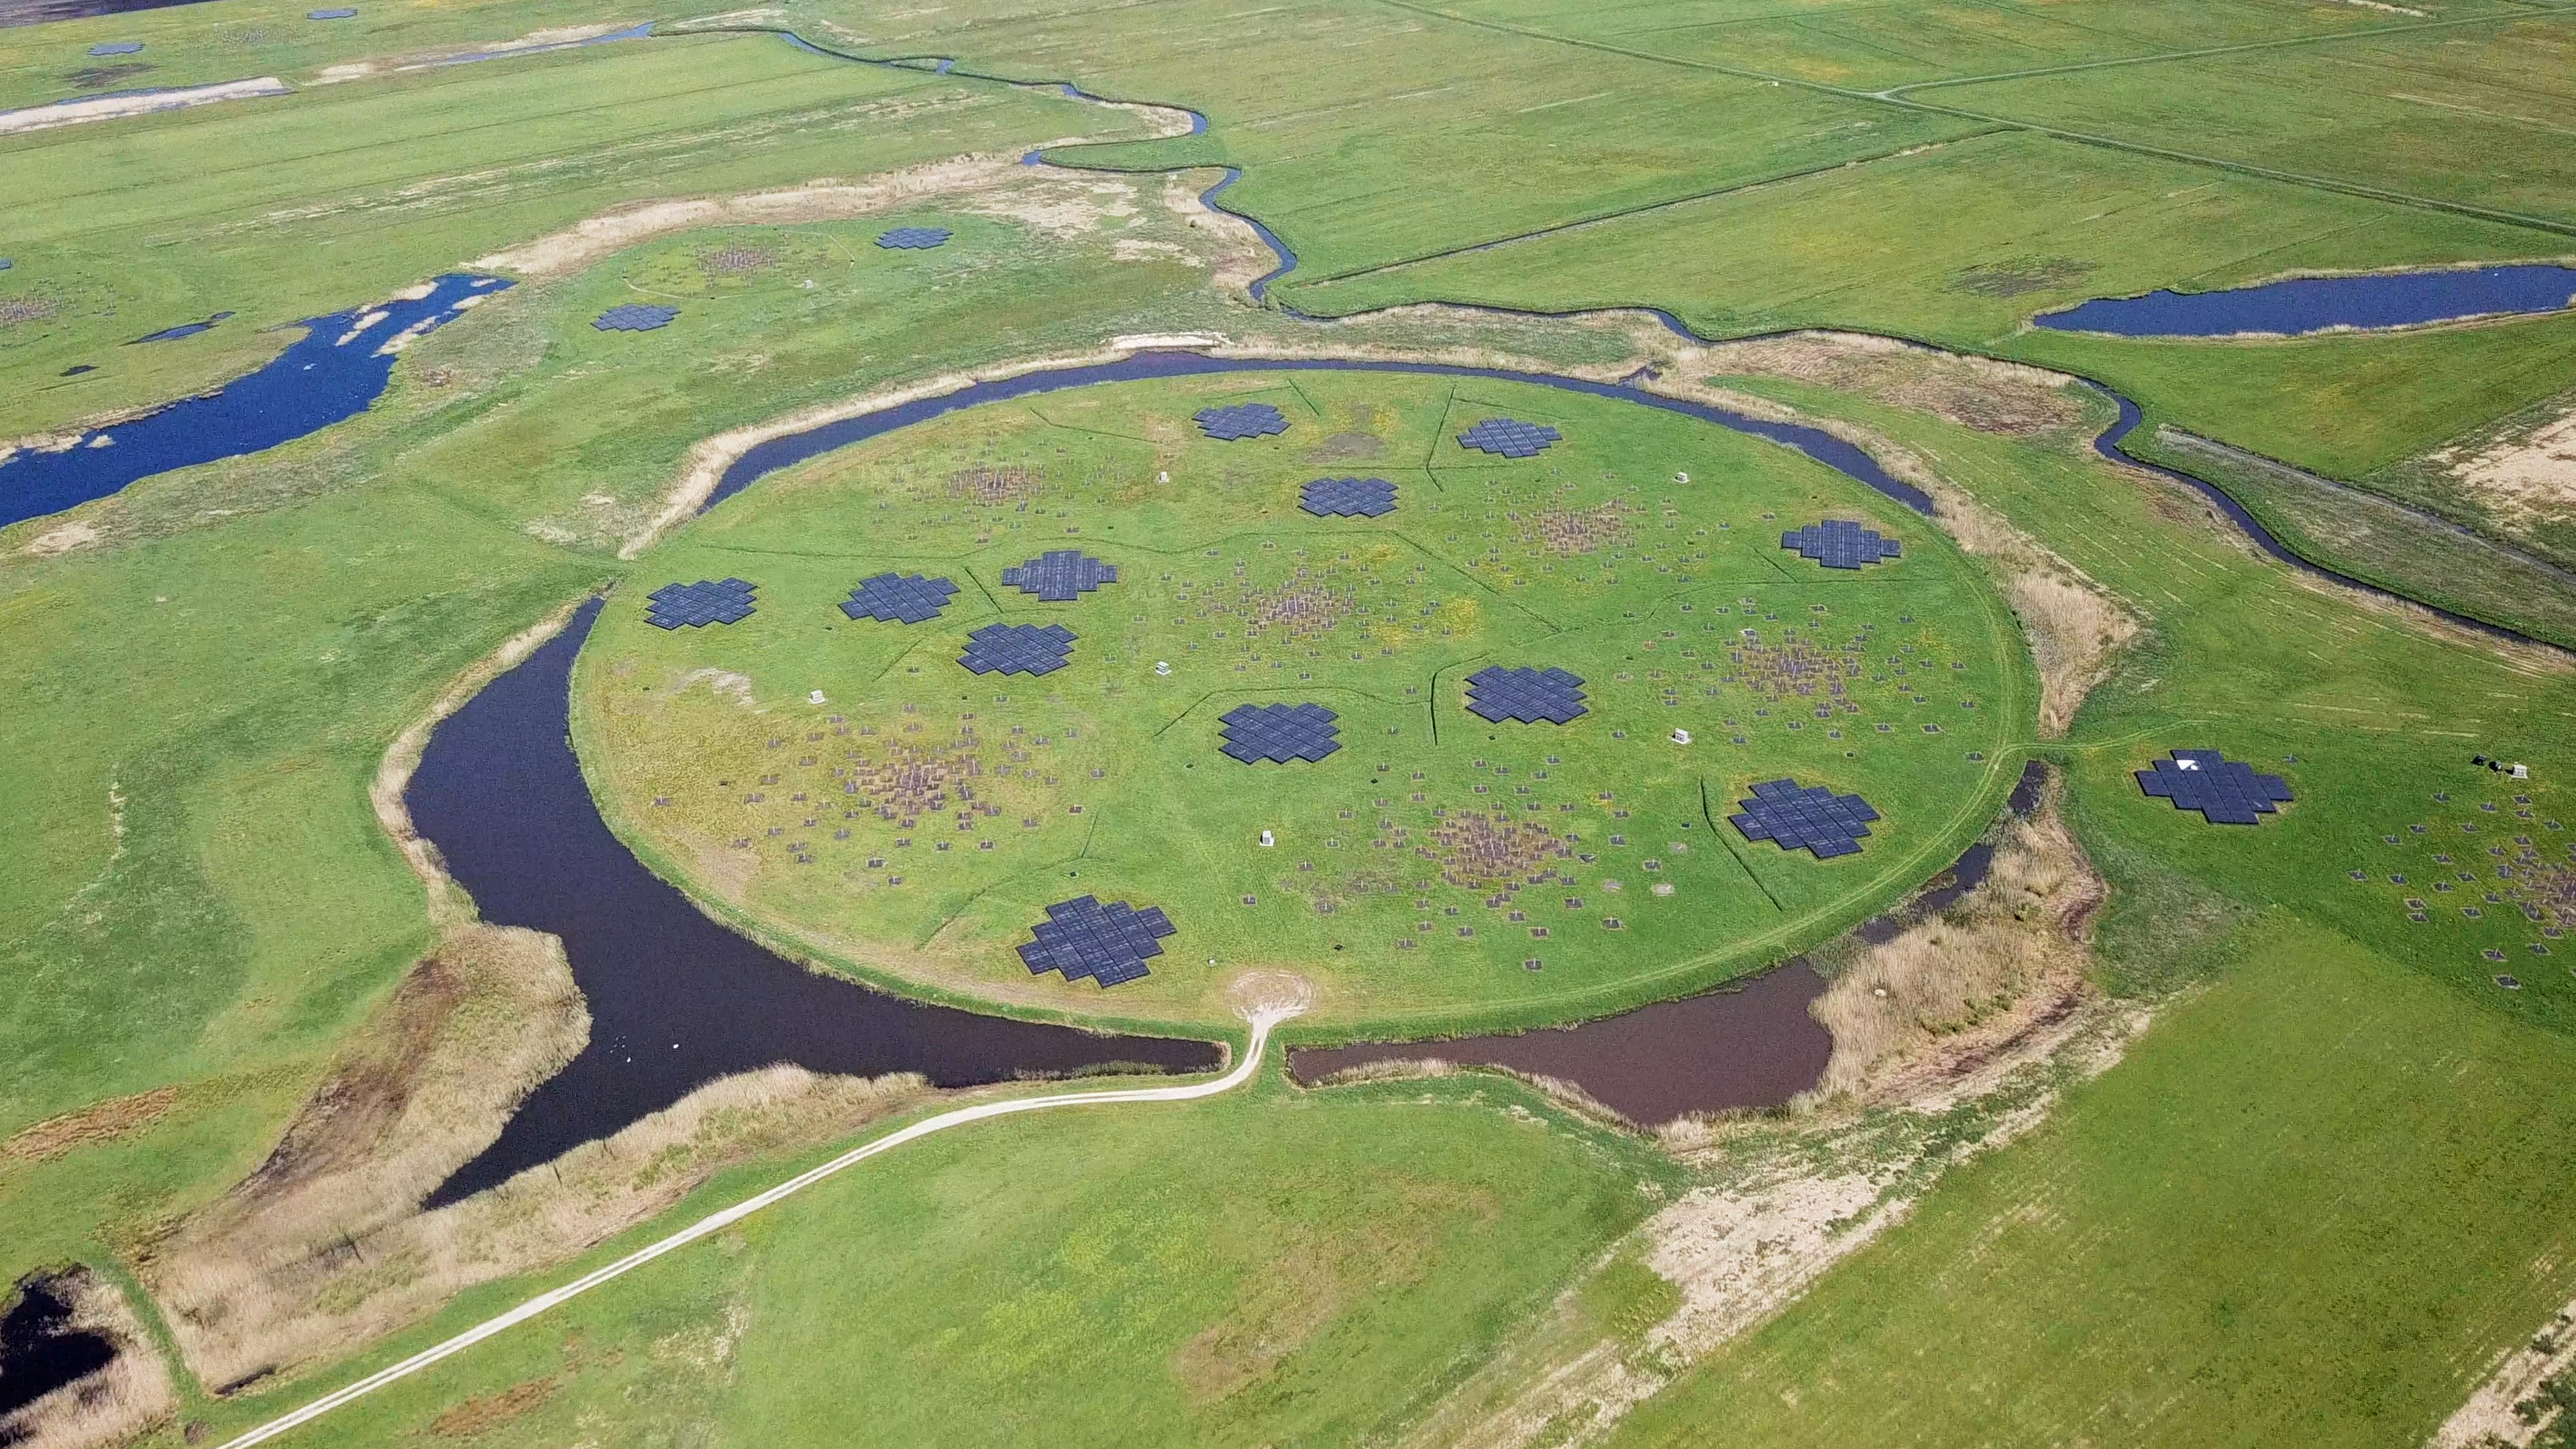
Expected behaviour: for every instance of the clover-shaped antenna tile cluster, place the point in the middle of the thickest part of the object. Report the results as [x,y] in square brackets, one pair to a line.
[899,598]
[1059,574]
[726,601]
[1804,817]
[634,317]
[1509,438]
[2224,791]
[1279,733]
[1525,696]
[1839,543]
[1109,943]
[1241,420]
[1348,498]
[1017,649]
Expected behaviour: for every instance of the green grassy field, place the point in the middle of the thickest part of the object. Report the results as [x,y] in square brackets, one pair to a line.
[194,893]
[1272,1267]
[2242,1235]
[286,209]
[2311,1207]
[1421,870]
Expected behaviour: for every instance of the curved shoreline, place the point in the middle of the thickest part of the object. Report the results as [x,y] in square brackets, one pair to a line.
[1262,1018]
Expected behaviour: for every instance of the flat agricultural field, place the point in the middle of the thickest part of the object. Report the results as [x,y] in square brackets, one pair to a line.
[871,786]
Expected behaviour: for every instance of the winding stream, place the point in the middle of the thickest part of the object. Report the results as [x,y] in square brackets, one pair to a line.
[676,1000]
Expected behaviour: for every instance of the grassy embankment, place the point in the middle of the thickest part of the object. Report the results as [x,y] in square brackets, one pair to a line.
[2309,1207]
[1266,1267]
[1674,603]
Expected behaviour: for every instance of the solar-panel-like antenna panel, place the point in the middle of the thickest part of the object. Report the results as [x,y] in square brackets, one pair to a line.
[1059,575]
[1803,817]
[1241,420]
[1509,438]
[1279,733]
[1017,649]
[1839,543]
[1525,696]
[899,598]
[2224,791]
[1348,498]
[694,606]
[1108,942]
[634,317]
[914,238]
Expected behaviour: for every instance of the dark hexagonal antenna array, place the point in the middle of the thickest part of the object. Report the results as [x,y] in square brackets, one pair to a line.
[1509,438]
[1525,696]
[726,601]
[1060,574]
[1348,498]
[1241,420]
[914,238]
[899,598]
[1017,649]
[1804,817]
[1839,543]
[1109,943]
[1279,733]
[634,317]
[2224,791]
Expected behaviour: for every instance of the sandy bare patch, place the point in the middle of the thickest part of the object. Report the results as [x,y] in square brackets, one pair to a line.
[62,540]
[1143,249]
[2512,1408]
[115,1404]
[1974,392]
[535,42]
[587,242]
[2526,478]
[99,1122]
[110,108]
[1060,205]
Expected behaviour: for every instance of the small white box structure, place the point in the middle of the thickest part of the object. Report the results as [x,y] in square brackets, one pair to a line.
[815,698]
[1266,840]
[1681,737]
[2522,772]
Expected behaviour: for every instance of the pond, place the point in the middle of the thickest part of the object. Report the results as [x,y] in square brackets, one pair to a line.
[2302,305]
[338,368]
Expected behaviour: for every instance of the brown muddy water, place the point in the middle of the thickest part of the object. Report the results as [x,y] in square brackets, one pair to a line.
[1753,1045]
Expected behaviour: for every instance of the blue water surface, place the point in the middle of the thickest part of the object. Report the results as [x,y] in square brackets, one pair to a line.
[313,384]
[2314,304]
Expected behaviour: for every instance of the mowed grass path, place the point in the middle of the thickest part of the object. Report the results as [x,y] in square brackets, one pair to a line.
[1267,1267]
[2307,1208]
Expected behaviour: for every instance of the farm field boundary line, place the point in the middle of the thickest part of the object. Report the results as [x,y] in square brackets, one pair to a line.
[2107,444]
[2082,138]
[1262,1019]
